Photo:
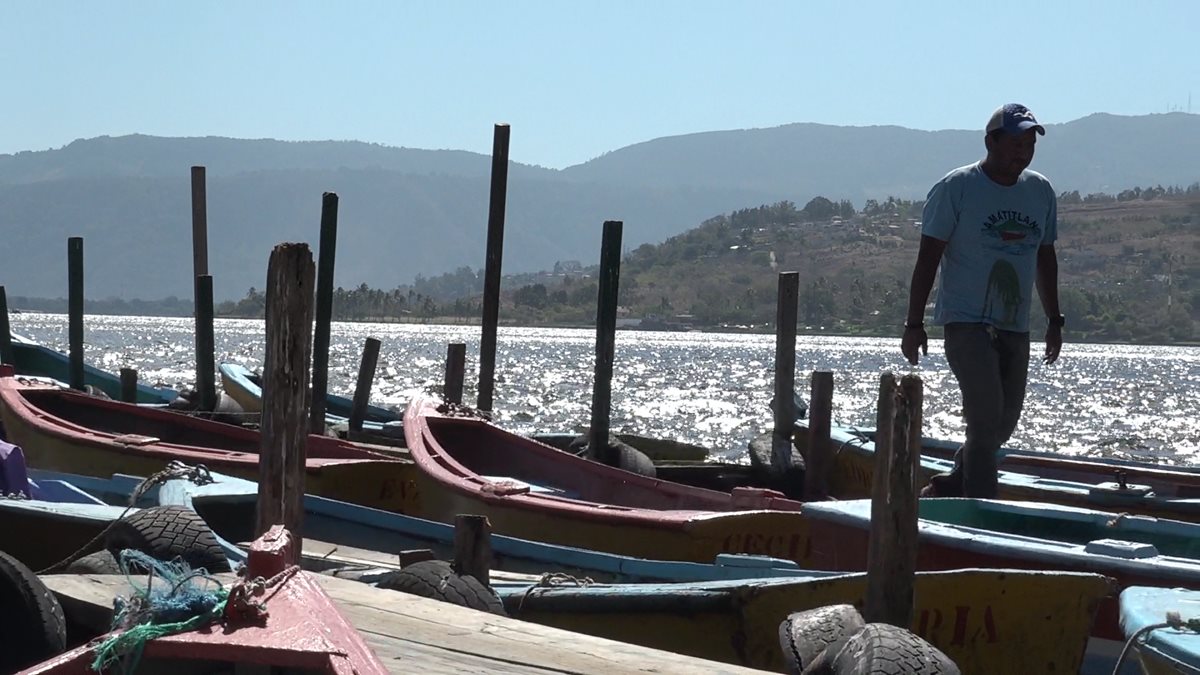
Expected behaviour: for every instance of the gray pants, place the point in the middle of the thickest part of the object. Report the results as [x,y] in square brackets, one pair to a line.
[991,366]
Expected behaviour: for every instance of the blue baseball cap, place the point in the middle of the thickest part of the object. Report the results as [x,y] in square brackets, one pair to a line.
[1013,118]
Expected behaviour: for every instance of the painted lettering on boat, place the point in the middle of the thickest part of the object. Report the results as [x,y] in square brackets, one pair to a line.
[970,625]
[776,545]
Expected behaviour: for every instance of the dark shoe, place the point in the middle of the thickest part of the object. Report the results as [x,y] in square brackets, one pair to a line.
[943,485]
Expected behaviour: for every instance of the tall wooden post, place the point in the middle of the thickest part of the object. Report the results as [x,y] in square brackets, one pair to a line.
[892,547]
[206,375]
[820,421]
[362,387]
[6,350]
[606,338]
[456,363]
[290,280]
[785,371]
[325,260]
[491,271]
[199,222]
[75,311]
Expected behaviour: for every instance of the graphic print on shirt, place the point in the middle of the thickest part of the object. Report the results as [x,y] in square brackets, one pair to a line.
[1003,289]
[1012,234]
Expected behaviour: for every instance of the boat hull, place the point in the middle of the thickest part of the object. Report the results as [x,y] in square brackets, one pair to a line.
[975,616]
[534,491]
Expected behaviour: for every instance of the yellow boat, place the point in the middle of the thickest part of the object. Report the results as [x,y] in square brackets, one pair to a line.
[989,622]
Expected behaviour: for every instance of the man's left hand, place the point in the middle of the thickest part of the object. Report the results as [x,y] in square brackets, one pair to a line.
[1053,344]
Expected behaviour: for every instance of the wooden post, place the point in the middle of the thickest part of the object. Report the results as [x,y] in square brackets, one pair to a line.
[6,350]
[473,547]
[75,311]
[491,271]
[206,375]
[820,420]
[456,358]
[129,380]
[199,223]
[892,549]
[362,388]
[606,338]
[785,371]
[281,462]
[325,260]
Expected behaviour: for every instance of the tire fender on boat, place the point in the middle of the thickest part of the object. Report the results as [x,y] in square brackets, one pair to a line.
[32,625]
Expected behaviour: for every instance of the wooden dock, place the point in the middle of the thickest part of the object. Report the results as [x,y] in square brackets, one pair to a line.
[414,634]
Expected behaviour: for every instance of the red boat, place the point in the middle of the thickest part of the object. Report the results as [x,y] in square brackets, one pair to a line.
[289,624]
[534,491]
[65,430]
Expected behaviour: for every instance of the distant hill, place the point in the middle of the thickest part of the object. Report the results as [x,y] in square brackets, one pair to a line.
[406,211]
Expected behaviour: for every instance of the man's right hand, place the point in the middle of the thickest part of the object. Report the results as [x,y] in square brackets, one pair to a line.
[914,339]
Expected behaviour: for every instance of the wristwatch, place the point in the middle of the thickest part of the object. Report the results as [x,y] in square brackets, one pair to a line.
[1058,320]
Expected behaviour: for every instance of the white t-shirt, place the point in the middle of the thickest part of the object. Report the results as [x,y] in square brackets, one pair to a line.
[992,234]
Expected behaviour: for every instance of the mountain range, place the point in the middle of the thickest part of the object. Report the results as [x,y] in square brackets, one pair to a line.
[406,212]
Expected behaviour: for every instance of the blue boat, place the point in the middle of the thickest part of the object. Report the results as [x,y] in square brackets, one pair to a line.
[33,359]
[1162,626]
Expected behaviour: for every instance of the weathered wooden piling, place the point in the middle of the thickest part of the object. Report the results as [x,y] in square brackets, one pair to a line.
[325,263]
[6,349]
[456,363]
[199,222]
[820,420]
[284,431]
[473,547]
[785,371]
[606,339]
[129,380]
[75,311]
[206,368]
[362,387]
[892,547]
[491,270]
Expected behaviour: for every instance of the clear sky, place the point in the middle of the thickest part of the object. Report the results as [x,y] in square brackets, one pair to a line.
[574,78]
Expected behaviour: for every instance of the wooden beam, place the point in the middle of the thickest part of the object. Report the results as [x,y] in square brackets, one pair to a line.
[325,264]
[362,387]
[606,338]
[820,421]
[473,547]
[492,266]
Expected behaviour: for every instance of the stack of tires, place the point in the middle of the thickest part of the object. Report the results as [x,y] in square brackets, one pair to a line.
[835,640]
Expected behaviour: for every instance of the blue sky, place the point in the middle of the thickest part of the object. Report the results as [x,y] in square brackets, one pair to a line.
[575,79]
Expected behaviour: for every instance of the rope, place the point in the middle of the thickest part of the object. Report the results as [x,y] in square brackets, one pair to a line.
[153,612]
[1173,621]
[198,474]
[551,580]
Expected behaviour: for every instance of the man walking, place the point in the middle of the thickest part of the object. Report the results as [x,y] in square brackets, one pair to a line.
[991,227]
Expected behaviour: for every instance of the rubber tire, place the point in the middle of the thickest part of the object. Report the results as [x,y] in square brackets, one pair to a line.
[629,458]
[32,625]
[100,562]
[436,579]
[634,460]
[166,533]
[804,635]
[884,649]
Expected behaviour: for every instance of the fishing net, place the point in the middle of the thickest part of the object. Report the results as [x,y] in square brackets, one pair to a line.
[174,599]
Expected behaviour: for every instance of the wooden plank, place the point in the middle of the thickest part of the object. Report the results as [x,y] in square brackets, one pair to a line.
[411,633]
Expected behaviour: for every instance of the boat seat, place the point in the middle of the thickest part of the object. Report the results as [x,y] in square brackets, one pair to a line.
[1119,548]
[515,486]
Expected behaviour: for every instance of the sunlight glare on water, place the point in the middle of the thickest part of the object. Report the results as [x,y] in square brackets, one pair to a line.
[711,389]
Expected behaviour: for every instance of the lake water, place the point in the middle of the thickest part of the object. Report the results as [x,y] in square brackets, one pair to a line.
[712,389]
